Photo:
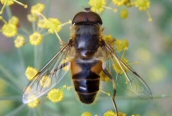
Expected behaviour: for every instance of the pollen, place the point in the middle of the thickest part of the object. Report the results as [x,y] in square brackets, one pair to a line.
[122,44]
[45,81]
[34,103]
[38,8]
[124,13]
[10,2]
[86,114]
[56,95]
[14,20]
[112,113]
[9,30]
[119,2]
[19,41]
[31,72]
[97,5]
[36,38]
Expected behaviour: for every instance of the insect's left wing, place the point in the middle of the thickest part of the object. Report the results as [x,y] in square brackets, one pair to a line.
[49,75]
[132,81]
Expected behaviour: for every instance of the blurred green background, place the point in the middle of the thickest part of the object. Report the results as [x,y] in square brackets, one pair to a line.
[150,45]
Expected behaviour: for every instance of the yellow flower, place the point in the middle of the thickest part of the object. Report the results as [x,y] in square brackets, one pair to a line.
[109,39]
[56,95]
[86,114]
[117,67]
[45,81]
[14,20]
[43,23]
[112,113]
[119,2]
[31,72]
[32,17]
[142,4]
[35,38]
[122,44]
[54,25]
[38,8]
[129,3]
[34,103]
[9,30]
[97,5]
[10,2]
[104,77]
[19,42]
[124,13]
[136,115]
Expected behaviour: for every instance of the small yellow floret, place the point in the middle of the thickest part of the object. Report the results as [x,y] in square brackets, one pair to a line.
[43,23]
[54,25]
[97,5]
[38,8]
[19,41]
[31,72]
[112,113]
[45,81]
[124,13]
[142,4]
[117,67]
[119,2]
[56,95]
[14,20]
[86,114]
[136,115]
[104,77]
[122,44]
[109,39]
[36,38]
[34,103]
[9,30]
[32,17]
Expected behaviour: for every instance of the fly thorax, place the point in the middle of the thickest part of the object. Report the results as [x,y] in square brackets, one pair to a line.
[87,40]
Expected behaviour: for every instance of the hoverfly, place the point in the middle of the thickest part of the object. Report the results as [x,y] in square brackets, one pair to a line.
[87,55]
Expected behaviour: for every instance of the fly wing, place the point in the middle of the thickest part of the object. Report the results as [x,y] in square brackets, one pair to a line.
[48,76]
[129,80]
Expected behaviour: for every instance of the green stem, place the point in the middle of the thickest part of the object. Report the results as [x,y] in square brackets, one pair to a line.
[48,8]
[17,110]
[9,13]
[10,77]
[12,98]
[36,57]
[25,31]
[22,61]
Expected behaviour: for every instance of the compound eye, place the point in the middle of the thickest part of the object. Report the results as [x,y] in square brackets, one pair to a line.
[94,18]
[79,18]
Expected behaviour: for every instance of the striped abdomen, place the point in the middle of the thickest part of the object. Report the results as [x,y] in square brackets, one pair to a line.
[86,79]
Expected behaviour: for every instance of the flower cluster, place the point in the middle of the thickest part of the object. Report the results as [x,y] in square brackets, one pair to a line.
[100,6]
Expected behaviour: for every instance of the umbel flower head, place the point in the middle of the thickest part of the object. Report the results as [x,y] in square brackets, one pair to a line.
[56,95]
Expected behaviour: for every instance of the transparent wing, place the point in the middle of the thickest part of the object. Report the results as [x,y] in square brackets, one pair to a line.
[130,79]
[48,76]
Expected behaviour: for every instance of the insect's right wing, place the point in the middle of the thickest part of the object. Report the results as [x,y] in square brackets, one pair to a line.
[134,83]
[49,75]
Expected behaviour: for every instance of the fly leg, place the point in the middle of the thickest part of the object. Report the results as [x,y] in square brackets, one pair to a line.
[114,89]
